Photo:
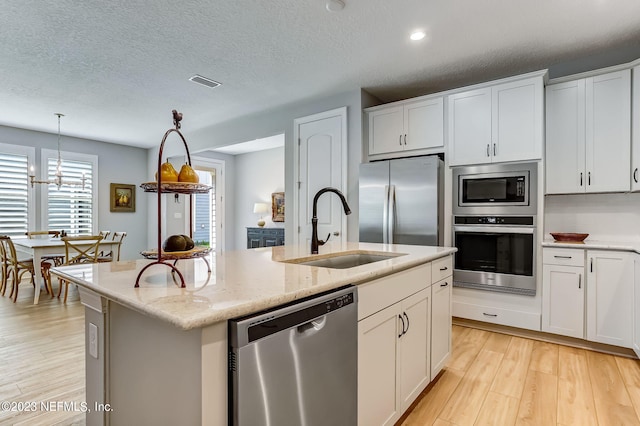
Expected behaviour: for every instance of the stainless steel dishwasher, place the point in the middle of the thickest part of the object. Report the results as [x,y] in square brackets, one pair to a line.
[296,364]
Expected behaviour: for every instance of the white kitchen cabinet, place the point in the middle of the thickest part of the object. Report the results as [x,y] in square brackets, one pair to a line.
[588,143]
[412,125]
[497,123]
[636,306]
[635,127]
[563,298]
[440,325]
[393,359]
[610,281]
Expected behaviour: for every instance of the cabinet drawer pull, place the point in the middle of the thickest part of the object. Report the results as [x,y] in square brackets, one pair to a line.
[488,154]
[635,175]
[400,140]
[405,138]
[445,284]
[580,178]
[591,264]
[589,178]
[405,315]
[562,257]
[402,332]
[494,149]
[444,269]
[489,315]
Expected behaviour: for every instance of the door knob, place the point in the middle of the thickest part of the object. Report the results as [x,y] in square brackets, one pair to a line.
[336,233]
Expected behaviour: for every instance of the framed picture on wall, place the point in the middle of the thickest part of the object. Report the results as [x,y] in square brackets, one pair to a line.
[277,207]
[123,197]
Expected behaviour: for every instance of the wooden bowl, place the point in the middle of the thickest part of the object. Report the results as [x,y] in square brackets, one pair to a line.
[568,237]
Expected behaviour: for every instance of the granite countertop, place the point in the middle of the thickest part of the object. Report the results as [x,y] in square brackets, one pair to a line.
[241,282]
[588,244]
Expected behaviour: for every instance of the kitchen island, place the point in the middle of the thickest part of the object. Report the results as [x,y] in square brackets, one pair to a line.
[158,354]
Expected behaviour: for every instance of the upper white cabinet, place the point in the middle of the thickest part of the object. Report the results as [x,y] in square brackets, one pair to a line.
[635,124]
[497,123]
[588,134]
[411,125]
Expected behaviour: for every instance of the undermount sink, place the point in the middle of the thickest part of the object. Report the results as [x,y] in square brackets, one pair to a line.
[345,260]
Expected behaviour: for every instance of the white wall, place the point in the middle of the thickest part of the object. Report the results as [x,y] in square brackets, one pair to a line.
[278,121]
[603,216]
[116,164]
[257,176]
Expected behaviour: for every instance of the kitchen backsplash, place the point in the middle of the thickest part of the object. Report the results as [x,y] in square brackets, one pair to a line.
[603,216]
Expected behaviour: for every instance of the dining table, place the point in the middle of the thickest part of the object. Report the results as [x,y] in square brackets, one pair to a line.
[38,247]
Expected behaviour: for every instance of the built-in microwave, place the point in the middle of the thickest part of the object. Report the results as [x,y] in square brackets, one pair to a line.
[496,189]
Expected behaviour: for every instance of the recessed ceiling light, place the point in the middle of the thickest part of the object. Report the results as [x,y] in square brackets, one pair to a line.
[204,81]
[417,35]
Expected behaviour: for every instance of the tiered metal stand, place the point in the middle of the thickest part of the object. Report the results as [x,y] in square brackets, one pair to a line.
[161,257]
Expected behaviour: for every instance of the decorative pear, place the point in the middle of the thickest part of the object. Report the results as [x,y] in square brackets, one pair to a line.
[187,174]
[168,173]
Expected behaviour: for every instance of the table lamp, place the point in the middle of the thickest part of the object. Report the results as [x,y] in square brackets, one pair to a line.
[260,208]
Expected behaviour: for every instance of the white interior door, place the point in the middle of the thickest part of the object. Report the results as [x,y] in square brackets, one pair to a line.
[322,162]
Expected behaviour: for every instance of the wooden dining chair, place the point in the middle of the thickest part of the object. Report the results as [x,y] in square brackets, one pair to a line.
[111,256]
[16,267]
[81,249]
[56,259]
[4,264]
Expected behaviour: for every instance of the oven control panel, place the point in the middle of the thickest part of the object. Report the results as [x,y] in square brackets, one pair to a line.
[494,220]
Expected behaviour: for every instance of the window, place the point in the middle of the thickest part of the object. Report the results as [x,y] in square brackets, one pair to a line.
[71,208]
[15,197]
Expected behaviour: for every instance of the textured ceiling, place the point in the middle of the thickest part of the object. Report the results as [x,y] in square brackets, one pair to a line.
[116,68]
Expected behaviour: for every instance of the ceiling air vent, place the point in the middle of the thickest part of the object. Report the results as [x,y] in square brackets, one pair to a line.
[204,81]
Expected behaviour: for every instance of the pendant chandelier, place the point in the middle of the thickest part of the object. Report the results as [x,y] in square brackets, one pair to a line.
[58,180]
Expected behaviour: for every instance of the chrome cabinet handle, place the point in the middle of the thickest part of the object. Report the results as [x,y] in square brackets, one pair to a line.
[635,175]
[445,284]
[489,315]
[488,155]
[402,332]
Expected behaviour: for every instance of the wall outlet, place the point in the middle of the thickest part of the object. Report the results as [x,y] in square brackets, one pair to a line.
[93,340]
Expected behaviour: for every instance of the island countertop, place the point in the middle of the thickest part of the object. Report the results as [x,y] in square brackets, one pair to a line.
[241,282]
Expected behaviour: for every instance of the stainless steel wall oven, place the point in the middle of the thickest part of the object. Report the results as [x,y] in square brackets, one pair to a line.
[495,227]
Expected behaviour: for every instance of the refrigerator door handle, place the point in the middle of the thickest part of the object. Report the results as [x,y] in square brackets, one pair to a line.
[385,216]
[392,213]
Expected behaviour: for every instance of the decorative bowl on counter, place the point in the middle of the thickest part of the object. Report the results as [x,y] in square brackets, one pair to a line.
[568,237]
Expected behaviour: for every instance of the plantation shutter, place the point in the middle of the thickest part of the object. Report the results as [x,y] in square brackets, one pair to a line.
[71,206]
[14,199]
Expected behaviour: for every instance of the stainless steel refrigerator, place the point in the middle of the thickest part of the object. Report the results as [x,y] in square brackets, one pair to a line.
[401,201]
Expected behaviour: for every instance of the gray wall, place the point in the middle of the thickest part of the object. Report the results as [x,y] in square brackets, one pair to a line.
[116,164]
[277,121]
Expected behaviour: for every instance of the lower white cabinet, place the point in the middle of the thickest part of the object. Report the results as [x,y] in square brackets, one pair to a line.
[610,280]
[440,325]
[591,297]
[563,292]
[563,300]
[636,307]
[393,359]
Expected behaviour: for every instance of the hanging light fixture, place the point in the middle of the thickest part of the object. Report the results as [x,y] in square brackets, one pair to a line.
[58,180]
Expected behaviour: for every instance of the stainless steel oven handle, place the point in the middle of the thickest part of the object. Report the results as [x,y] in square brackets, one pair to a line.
[494,229]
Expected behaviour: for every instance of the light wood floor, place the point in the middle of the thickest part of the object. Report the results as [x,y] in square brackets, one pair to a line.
[492,379]
[495,379]
[41,357]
